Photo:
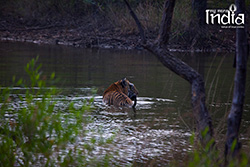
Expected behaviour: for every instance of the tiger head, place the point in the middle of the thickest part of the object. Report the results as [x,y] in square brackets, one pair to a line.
[129,89]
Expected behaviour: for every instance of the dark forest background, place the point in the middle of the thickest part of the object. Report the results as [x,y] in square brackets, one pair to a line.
[103,15]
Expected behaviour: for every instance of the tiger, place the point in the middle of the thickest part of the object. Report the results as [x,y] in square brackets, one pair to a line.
[121,93]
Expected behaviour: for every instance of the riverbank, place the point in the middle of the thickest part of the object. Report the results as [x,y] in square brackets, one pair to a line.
[99,32]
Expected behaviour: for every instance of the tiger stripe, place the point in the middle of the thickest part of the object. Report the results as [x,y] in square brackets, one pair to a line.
[120,93]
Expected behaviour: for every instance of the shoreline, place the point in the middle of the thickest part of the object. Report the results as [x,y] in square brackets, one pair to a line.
[103,35]
[102,46]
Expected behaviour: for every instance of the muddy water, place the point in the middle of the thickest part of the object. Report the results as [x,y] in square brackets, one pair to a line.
[159,129]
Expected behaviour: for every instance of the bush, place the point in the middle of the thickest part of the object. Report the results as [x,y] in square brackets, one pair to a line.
[34,131]
[213,155]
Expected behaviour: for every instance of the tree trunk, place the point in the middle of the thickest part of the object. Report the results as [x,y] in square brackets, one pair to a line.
[159,49]
[200,111]
[235,115]
[166,21]
[199,7]
[138,23]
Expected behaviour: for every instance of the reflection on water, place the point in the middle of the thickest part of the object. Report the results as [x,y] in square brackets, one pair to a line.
[141,135]
[160,127]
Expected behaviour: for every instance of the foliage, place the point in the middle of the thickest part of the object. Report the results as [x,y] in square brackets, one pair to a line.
[209,155]
[182,19]
[35,131]
[148,12]
[37,12]
[44,9]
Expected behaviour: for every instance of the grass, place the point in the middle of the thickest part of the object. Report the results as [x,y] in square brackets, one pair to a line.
[205,156]
[148,12]
[113,16]
[219,87]
[182,18]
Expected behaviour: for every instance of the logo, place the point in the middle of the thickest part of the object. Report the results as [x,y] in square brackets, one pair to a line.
[227,18]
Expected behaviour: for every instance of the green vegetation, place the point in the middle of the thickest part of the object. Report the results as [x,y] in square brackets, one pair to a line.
[112,15]
[36,131]
[205,156]
[148,11]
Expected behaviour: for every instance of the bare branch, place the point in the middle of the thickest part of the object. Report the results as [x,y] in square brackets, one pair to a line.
[138,23]
[166,21]
[198,95]
[200,112]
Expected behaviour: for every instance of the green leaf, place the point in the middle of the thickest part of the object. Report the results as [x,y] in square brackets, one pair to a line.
[19,82]
[52,76]
[13,78]
[234,145]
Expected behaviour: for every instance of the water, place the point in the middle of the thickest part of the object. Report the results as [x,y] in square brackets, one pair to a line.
[160,129]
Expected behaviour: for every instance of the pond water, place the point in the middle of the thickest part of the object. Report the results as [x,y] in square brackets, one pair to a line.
[160,129]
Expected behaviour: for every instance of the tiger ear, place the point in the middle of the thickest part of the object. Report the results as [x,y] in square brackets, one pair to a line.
[124,83]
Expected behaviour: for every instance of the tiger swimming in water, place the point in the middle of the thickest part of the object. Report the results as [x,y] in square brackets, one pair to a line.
[121,93]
